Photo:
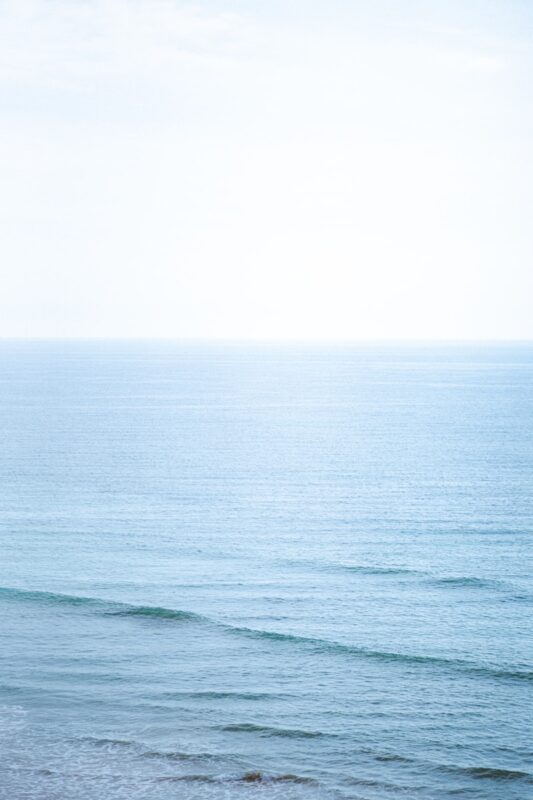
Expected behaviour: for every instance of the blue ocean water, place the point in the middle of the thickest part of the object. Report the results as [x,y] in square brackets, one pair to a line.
[235,571]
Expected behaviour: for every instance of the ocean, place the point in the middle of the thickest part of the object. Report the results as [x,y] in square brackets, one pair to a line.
[265,571]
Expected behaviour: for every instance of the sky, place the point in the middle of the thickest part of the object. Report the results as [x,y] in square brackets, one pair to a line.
[259,169]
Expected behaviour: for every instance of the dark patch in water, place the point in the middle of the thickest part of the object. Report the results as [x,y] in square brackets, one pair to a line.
[248,777]
[214,695]
[393,757]
[186,779]
[497,774]
[469,581]
[252,777]
[379,570]
[153,611]
[258,777]
[263,730]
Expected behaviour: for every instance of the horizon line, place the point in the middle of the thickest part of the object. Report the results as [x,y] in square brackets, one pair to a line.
[268,340]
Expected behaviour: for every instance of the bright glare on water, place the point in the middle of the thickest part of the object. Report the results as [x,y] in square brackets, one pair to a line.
[265,571]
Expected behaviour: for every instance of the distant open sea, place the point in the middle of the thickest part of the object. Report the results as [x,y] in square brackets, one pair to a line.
[269,571]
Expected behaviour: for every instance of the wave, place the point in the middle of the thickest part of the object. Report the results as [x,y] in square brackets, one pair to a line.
[493,773]
[370,570]
[499,774]
[186,779]
[522,598]
[107,742]
[248,777]
[265,730]
[48,597]
[154,611]
[324,645]
[361,569]
[258,777]
[469,581]
[176,755]
[508,590]
[214,695]
[393,757]
[140,750]
[487,773]
[110,608]
[377,784]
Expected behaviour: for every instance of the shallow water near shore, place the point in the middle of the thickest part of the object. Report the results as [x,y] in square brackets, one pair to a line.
[269,571]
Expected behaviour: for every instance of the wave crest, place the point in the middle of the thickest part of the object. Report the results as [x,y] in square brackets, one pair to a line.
[265,730]
[110,608]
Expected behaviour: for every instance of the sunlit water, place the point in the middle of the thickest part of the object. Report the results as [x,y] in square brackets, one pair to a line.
[265,572]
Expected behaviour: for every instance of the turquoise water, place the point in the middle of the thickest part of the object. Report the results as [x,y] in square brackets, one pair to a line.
[265,572]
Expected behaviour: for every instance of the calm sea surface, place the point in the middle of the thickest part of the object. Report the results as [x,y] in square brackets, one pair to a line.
[265,572]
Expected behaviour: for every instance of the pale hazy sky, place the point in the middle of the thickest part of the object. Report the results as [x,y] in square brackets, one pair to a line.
[266,168]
